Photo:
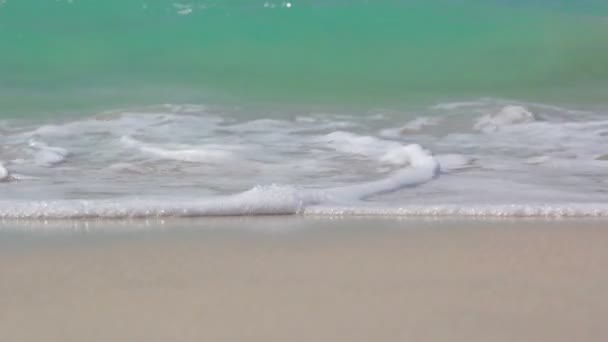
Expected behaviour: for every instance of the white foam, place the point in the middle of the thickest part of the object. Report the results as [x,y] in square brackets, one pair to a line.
[508,115]
[415,126]
[354,143]
[453,162]
[558,210]
[258,201]
[201,154]
[386,151]
[423,168]
[418,124]
[183,9]
[186,160]
[4,174]
[395,155]
[261,200]
[46,155]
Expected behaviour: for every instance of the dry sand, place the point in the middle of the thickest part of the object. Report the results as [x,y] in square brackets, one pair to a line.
[308,280]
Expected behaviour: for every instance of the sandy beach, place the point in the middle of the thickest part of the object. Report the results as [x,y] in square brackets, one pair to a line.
[305,279]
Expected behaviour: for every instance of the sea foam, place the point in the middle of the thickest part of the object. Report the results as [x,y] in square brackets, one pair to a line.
[260,200]
[483,158]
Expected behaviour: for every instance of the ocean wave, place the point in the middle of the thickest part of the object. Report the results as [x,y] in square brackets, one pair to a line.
[171,160]
[261,200]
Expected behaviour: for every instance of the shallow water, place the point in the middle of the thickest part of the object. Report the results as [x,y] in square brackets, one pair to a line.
[486,157]
[135,109]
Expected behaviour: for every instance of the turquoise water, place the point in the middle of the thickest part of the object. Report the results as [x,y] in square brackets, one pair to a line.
[83,54]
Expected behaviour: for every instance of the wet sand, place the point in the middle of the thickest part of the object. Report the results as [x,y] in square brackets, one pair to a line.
[306,279]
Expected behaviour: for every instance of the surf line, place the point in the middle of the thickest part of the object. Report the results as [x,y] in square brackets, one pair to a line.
[260,200]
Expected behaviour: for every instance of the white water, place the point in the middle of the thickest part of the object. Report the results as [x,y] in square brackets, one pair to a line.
[478,158]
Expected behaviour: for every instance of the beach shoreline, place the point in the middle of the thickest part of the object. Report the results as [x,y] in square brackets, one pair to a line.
[303,279]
